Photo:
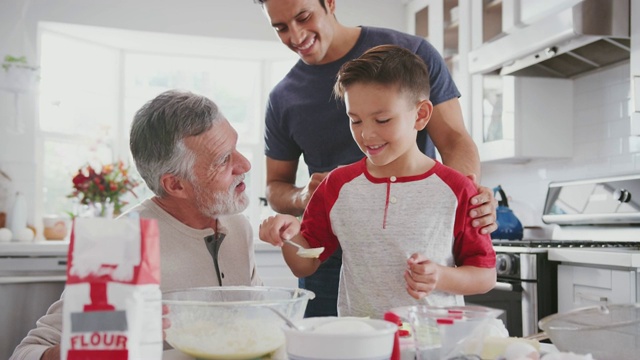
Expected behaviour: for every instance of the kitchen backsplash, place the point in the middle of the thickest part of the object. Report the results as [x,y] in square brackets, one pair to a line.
[601,145]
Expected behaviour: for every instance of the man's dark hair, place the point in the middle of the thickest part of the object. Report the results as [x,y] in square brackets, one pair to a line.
[261,2]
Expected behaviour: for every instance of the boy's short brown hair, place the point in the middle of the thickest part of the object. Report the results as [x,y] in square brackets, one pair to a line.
[386,65]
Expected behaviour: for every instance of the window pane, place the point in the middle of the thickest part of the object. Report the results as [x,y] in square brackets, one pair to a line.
[78,86]
[234,85]
[90,92]
[62,160]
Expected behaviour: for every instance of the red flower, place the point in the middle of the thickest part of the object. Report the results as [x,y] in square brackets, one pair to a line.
[79,178]
[110,183]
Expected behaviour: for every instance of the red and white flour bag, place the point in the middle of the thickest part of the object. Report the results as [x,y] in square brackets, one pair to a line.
[112,302]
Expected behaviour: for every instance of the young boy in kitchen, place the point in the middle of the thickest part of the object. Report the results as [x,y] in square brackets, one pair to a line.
[399,216]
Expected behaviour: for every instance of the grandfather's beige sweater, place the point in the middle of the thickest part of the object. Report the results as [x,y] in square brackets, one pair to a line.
[185,262]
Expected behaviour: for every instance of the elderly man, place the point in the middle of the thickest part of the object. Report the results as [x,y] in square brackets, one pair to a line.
[185,150]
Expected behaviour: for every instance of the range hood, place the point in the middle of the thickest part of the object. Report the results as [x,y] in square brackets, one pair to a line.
[585,37]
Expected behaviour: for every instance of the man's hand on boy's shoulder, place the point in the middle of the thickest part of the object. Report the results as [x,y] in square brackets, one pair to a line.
[484,215]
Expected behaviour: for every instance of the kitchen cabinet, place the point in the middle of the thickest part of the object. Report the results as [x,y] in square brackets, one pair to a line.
[596,276]
[516,119]
[528,12]
[498,17]
[32,277]
[272,268]
[580,286]
[445,24]
[635,68]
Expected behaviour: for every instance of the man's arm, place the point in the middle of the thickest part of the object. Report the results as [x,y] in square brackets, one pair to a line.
[282,194]
[42,342]
[455,145]
[458,151]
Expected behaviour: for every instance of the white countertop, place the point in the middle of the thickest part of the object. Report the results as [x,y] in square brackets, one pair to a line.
[281,353]
[597,256]
[34,248]
[519,249]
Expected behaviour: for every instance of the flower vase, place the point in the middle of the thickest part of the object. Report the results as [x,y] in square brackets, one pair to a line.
[101,209]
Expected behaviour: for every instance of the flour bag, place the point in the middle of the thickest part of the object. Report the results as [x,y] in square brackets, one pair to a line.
[112,301]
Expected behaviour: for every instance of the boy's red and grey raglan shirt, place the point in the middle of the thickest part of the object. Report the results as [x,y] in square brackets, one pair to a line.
[381,222]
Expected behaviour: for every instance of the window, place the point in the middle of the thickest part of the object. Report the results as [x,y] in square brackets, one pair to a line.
[94,80]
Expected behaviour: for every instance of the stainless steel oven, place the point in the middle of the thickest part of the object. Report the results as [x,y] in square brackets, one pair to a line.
[591,213]
[526,287]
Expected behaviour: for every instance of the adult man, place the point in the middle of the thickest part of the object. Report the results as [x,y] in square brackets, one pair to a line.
[303,118]
[185,150]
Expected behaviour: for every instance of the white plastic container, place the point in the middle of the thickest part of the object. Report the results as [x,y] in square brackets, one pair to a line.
[18,219]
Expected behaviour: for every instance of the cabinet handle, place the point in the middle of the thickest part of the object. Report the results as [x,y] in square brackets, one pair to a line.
[592,297]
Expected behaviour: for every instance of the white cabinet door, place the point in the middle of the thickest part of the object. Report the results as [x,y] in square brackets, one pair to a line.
[635,67]
[533,11]
[580,286]
[272,268]
[516,119]
[446,25]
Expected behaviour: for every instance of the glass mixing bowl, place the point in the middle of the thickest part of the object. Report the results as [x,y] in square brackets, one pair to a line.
[607,332]
[231,322]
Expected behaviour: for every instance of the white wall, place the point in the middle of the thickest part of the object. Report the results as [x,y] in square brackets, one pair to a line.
[241,19]
[602,145]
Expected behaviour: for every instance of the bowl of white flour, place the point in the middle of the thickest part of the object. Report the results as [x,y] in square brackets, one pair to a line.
[231,322]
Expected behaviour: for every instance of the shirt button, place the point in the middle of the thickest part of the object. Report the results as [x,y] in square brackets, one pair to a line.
[393,179]
[393,200]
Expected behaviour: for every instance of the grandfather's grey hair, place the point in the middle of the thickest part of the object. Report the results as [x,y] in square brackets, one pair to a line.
[158,131]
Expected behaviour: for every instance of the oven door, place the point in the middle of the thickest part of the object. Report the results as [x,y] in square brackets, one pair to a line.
[507,295]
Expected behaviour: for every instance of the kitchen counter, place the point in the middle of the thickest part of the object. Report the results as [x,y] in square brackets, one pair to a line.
[519,250]
[34,248]
[629,258]
[281,353]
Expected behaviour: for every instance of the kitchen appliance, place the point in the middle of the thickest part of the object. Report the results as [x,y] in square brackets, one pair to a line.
[509,227]
[591,213]
[581,38]
[32,277]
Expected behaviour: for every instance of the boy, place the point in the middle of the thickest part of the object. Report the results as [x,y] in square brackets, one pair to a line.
[399,216]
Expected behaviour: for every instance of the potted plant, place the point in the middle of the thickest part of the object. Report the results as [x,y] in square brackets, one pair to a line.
[17,75]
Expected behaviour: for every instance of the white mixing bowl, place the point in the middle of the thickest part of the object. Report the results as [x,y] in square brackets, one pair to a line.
[335,338]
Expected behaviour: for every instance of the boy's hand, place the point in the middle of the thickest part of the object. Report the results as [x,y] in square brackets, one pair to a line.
[276,228]
[422,276]
[484,215]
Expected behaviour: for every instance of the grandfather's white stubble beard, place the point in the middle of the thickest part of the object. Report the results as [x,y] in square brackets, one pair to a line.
[214,204]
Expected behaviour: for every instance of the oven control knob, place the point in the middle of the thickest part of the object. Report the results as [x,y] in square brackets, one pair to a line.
[622,195]
[506,264]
